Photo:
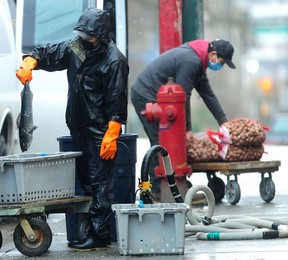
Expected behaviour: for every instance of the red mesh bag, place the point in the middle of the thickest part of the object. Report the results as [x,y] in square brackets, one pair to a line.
[243,132]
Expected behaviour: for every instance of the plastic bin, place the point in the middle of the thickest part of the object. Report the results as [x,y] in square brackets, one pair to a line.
[123,183]
[33,177]
[124,170]
[154,229]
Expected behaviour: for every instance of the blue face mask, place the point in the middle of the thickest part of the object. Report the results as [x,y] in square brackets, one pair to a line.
[215,66]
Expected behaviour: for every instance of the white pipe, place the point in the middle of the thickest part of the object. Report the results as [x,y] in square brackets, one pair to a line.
[167,165]
[255,234]
[228,227]
[233,225]
[212,229]
[194,218]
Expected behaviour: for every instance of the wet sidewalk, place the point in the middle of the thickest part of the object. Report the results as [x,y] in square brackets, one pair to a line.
[194,249]
[250,204]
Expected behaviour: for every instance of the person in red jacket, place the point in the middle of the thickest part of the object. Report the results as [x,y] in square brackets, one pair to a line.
[187,65]
[96,109]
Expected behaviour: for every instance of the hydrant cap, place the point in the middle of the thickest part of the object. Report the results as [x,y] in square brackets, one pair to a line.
[171,92]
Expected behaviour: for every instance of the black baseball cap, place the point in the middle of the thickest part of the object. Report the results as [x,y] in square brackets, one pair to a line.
[224,50]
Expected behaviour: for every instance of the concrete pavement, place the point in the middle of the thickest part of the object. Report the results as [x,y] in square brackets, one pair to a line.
[194,249]
[250,204]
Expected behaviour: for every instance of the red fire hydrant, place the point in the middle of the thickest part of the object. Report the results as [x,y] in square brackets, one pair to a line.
[170,112]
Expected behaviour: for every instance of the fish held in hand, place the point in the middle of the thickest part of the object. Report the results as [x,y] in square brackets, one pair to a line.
[25,118]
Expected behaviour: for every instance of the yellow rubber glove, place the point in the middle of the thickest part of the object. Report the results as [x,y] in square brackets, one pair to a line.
[109,143]
[25,72]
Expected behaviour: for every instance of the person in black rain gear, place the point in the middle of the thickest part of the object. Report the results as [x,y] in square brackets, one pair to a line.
[96,109]
[187,65]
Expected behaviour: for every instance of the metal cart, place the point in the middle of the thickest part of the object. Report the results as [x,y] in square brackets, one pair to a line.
[232,170]
[32,236]
[33,186]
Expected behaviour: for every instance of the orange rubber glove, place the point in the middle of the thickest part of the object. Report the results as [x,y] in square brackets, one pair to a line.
[25,72]
[109,143]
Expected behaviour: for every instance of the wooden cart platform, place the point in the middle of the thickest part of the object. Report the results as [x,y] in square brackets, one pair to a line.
[233,169]
[77,204]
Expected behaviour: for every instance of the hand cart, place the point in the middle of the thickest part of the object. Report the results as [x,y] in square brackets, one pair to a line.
[33,186]
[33,236]
[232,170]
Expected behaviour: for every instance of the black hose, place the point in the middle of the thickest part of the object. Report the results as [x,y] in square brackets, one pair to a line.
[147,160]
[167,165]
[174,189]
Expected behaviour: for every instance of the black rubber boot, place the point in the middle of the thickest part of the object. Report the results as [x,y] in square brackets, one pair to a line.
[89,244]
[100,211]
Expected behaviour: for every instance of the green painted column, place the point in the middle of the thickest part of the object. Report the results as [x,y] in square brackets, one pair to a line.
[192,20]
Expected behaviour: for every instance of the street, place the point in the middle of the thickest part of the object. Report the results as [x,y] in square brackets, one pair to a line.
[250,204]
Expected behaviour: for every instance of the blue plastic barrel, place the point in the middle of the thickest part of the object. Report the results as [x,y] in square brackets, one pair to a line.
[123,183]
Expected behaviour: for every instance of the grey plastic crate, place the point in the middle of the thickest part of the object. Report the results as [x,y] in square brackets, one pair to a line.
[33,177]
[154,229]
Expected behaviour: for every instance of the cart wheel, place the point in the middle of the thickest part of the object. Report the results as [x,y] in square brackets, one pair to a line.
[233,192]
[43,238]
[83,228]
[1,239]
[217,186]
[267,189]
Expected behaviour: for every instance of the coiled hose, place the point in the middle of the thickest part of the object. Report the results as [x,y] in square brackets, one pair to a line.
[214,228]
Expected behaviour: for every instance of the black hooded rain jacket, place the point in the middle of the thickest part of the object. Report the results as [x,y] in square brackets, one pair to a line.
[97,78]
